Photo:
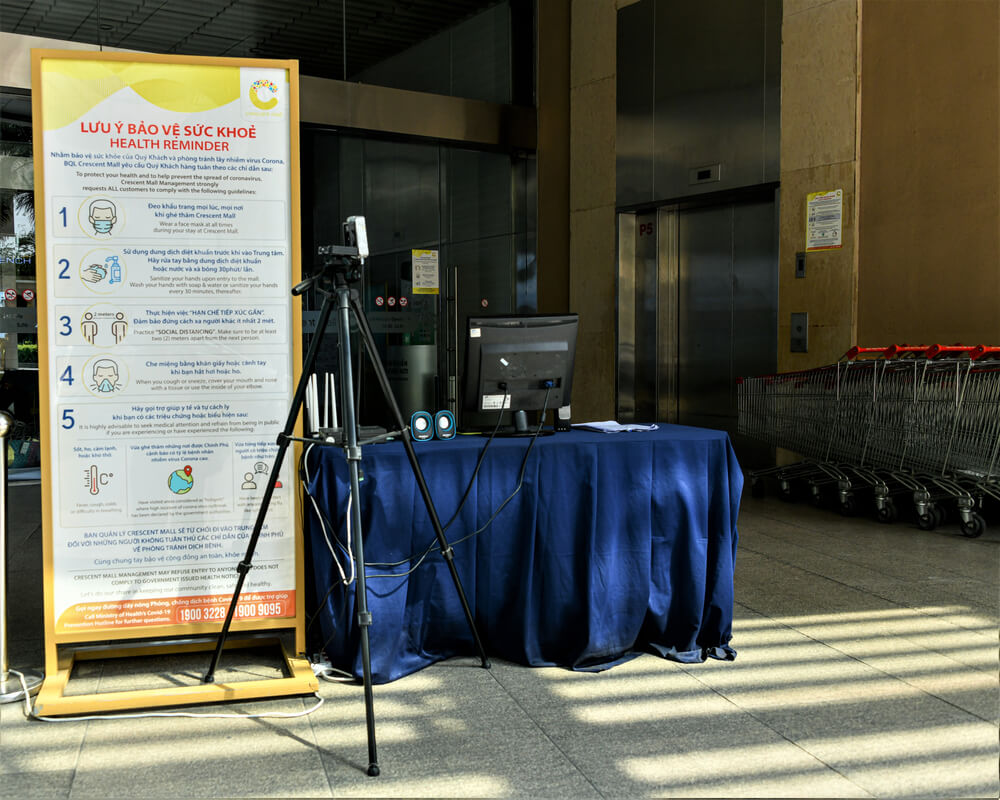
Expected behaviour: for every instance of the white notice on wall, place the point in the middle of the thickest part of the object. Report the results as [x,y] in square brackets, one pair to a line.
[824,219]
[425,271]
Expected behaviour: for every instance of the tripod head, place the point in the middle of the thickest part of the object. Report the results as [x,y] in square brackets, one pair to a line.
[345,261]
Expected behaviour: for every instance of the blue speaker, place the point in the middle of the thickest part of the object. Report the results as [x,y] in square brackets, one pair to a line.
[421,426]
[444,425]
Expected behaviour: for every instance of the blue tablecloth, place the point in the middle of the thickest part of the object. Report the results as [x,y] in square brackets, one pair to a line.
[615,544]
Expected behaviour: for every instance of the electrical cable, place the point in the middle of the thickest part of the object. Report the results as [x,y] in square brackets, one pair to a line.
[468,491]
[520,477]
[323,524]
[30,713]
[482,455]
[520,481]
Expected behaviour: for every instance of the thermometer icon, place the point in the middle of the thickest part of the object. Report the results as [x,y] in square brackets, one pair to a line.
[95,479]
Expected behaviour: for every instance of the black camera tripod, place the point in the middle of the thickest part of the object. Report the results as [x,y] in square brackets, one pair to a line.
[342,266]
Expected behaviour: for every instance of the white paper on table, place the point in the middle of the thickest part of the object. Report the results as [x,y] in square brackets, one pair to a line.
[610,426]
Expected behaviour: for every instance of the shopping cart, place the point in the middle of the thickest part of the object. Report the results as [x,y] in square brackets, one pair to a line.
[884,425]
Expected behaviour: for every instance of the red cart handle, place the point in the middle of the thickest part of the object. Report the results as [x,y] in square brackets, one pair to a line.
[985,351]
[856,351]
[949,350]
[900,350]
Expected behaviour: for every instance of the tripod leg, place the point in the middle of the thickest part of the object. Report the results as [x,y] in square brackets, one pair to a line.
[353,458]
[244,566]
[418,474]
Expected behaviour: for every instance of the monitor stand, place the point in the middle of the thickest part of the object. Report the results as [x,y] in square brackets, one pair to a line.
[521,427]
[510,433]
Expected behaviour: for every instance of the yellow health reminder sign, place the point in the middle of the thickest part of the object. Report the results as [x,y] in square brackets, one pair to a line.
[168,233]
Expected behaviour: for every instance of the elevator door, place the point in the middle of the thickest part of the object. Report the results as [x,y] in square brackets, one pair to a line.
[697,308]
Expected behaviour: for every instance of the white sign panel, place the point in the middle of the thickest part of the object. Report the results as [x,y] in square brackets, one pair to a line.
[824,220]
[425,271]
[169,369]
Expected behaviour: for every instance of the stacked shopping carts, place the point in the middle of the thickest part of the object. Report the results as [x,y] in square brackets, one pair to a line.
[885,427]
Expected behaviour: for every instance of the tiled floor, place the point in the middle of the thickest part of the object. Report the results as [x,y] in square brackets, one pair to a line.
[867,667]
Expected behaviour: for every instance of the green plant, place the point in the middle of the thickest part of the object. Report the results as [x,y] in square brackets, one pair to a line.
[27,353]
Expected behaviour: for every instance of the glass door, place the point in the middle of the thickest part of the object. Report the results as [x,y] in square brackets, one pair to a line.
[451,232]
[18,320]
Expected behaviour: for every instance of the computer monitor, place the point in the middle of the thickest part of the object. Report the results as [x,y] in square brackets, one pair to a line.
[521,356]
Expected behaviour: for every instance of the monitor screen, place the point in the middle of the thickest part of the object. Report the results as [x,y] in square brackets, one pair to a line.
[512,361]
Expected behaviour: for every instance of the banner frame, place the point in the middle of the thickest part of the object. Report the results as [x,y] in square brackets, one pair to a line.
[61,650]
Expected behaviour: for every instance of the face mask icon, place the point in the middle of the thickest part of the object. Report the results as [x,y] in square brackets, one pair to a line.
[105,377]
[103,215]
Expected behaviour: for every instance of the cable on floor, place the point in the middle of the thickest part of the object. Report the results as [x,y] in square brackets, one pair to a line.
[30,713]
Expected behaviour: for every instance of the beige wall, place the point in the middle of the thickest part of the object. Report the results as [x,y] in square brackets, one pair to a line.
[901,111]
[818,153]
[592,248]
[929,244]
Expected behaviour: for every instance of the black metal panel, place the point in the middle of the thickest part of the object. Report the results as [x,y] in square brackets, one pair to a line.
[375,30]
[698,98]
[634,129]
[479,195]
[709,94]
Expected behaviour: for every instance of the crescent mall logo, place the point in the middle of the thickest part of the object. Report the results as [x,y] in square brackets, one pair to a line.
[263,94]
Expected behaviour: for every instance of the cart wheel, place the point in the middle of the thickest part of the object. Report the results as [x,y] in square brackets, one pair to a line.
[787,494]
[849,506]
[816,498]
[888,513]
[756,488]
[940,515]
[975,527]
[926,522]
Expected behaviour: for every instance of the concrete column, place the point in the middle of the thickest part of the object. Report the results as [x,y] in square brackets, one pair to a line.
[592,248]
[553,155]
[819,87]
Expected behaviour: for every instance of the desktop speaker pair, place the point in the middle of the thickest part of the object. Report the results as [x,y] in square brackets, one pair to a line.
[423,426]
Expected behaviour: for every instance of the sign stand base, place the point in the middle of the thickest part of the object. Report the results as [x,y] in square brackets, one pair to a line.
[53,701]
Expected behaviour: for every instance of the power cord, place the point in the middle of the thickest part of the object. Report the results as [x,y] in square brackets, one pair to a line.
[323,522]
[461,504]
[520,480]
[29,712]
[434,545]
